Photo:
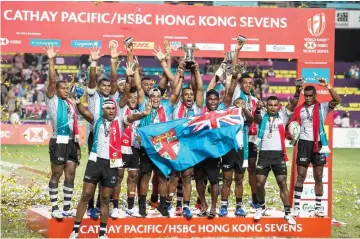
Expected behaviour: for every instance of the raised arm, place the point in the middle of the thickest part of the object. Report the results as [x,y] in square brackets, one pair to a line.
[167,75]
[168,54]
[138,116]
[137,81]
[114,61]
[94,57]
[129,50]
[176,93]
[130,73]
[257,117]
[336,98]
[229,92]
[51,88]
[294,101]
[84,112]
[199,96]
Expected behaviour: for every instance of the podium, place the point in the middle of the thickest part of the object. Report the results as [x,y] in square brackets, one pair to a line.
[154,226]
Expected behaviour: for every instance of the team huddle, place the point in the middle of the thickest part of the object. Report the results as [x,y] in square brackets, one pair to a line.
[117,108]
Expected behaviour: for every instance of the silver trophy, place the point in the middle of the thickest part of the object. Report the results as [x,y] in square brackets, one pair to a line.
[229,56]
[241,38]
[189,54]
[128,41]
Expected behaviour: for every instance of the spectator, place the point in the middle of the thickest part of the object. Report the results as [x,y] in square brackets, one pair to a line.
[11,100]
[337,119]
[345,121]
[257,68]
[271,73]
[354,72]
[356,124]
[245,70]
[258,82]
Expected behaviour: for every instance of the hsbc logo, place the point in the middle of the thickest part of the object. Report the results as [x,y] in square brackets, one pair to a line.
[316,24]
[4,41]
[36,134]
[310,45]
[143,45]
[5,134]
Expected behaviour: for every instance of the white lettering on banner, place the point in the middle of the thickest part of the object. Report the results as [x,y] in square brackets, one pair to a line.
[280,48]
[5,134]
[247,47]
[309,191]
[27,15]
[210,46]
[146,19]
[266,22]
[310,176]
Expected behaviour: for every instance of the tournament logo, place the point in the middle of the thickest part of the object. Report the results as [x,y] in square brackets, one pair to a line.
[166,145]
[316,24]
[311,75]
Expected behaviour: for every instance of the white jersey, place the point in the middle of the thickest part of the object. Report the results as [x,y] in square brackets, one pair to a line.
[135,125]
[306,130]
[188,112]
[274,142]
[52,109]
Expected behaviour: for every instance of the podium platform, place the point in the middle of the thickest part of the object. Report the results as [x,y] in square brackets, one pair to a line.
[155,226]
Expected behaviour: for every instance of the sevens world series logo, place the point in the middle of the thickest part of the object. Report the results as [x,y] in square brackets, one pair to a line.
[316,24]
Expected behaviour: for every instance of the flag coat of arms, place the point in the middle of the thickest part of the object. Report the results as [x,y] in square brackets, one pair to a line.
[179,144]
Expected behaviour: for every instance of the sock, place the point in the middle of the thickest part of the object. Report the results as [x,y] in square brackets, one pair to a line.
[102,229]
[68,191]
[53,191]
[179,194]
[297,196]
[142,201]
[262,204]
[162,201]
[198,201]
[287,209]
[76,227]
[116,203]
[154,198]
[186,204]
[130,201]
[254,198]
[91,203]
[238,203]
[318,201]
[224,203]
[98,201]
[168,203]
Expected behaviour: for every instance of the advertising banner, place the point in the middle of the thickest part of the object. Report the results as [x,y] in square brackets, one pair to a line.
[75,27]
[347,19]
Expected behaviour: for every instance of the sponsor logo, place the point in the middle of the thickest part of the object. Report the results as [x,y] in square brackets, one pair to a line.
[36,135]
[303,159]
[113,179]
[309,191]
[342,19]
[280,48]
[311,75]
[85,43]
[5,134]
[87,177]
[175,45]
[248,47]
[310,207]
[310,45]
[61,158]
[45,42]
[5,41]
[316,24]
[310,176]
[226,166]
[143,45]
[210,46]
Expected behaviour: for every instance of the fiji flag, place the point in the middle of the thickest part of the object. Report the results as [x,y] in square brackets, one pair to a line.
[179,144]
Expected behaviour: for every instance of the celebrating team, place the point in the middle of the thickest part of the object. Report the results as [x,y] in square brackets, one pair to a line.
[117,108]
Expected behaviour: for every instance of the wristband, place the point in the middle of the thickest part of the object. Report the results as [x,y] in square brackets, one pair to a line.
[296,96]
[217,78]
[258,111]
[93,63]
[113,59]
[77,101]
[329,87]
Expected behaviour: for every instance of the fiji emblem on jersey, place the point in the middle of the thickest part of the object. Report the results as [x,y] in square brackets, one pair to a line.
[166,145]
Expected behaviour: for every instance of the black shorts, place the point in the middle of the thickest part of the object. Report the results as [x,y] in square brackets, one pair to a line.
[90,141]
[61,153]
[233,160]
[252,151]
[132,161]
[146,164]
[271,160]
[209,168]
[305,154]
[100,171]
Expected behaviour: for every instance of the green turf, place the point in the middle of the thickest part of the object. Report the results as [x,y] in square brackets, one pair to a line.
[22,188]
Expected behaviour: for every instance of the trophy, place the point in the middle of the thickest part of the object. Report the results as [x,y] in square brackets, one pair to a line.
[189,54]
[229,56]
[128,41]
[241,39]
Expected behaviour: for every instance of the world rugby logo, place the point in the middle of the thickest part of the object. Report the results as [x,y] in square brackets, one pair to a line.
[316,24]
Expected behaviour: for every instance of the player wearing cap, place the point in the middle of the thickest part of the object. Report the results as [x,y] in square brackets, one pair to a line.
[105,157]
[313,146]
[64,147]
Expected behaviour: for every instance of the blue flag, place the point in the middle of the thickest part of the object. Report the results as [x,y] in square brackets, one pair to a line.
[179,144]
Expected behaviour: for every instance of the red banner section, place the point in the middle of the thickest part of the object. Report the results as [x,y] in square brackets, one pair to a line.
[31,134]
[181,227]
[75,27]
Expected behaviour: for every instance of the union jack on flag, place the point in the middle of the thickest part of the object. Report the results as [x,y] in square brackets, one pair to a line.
[216,119]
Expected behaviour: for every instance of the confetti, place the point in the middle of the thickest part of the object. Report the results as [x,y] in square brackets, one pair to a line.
[96,3]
